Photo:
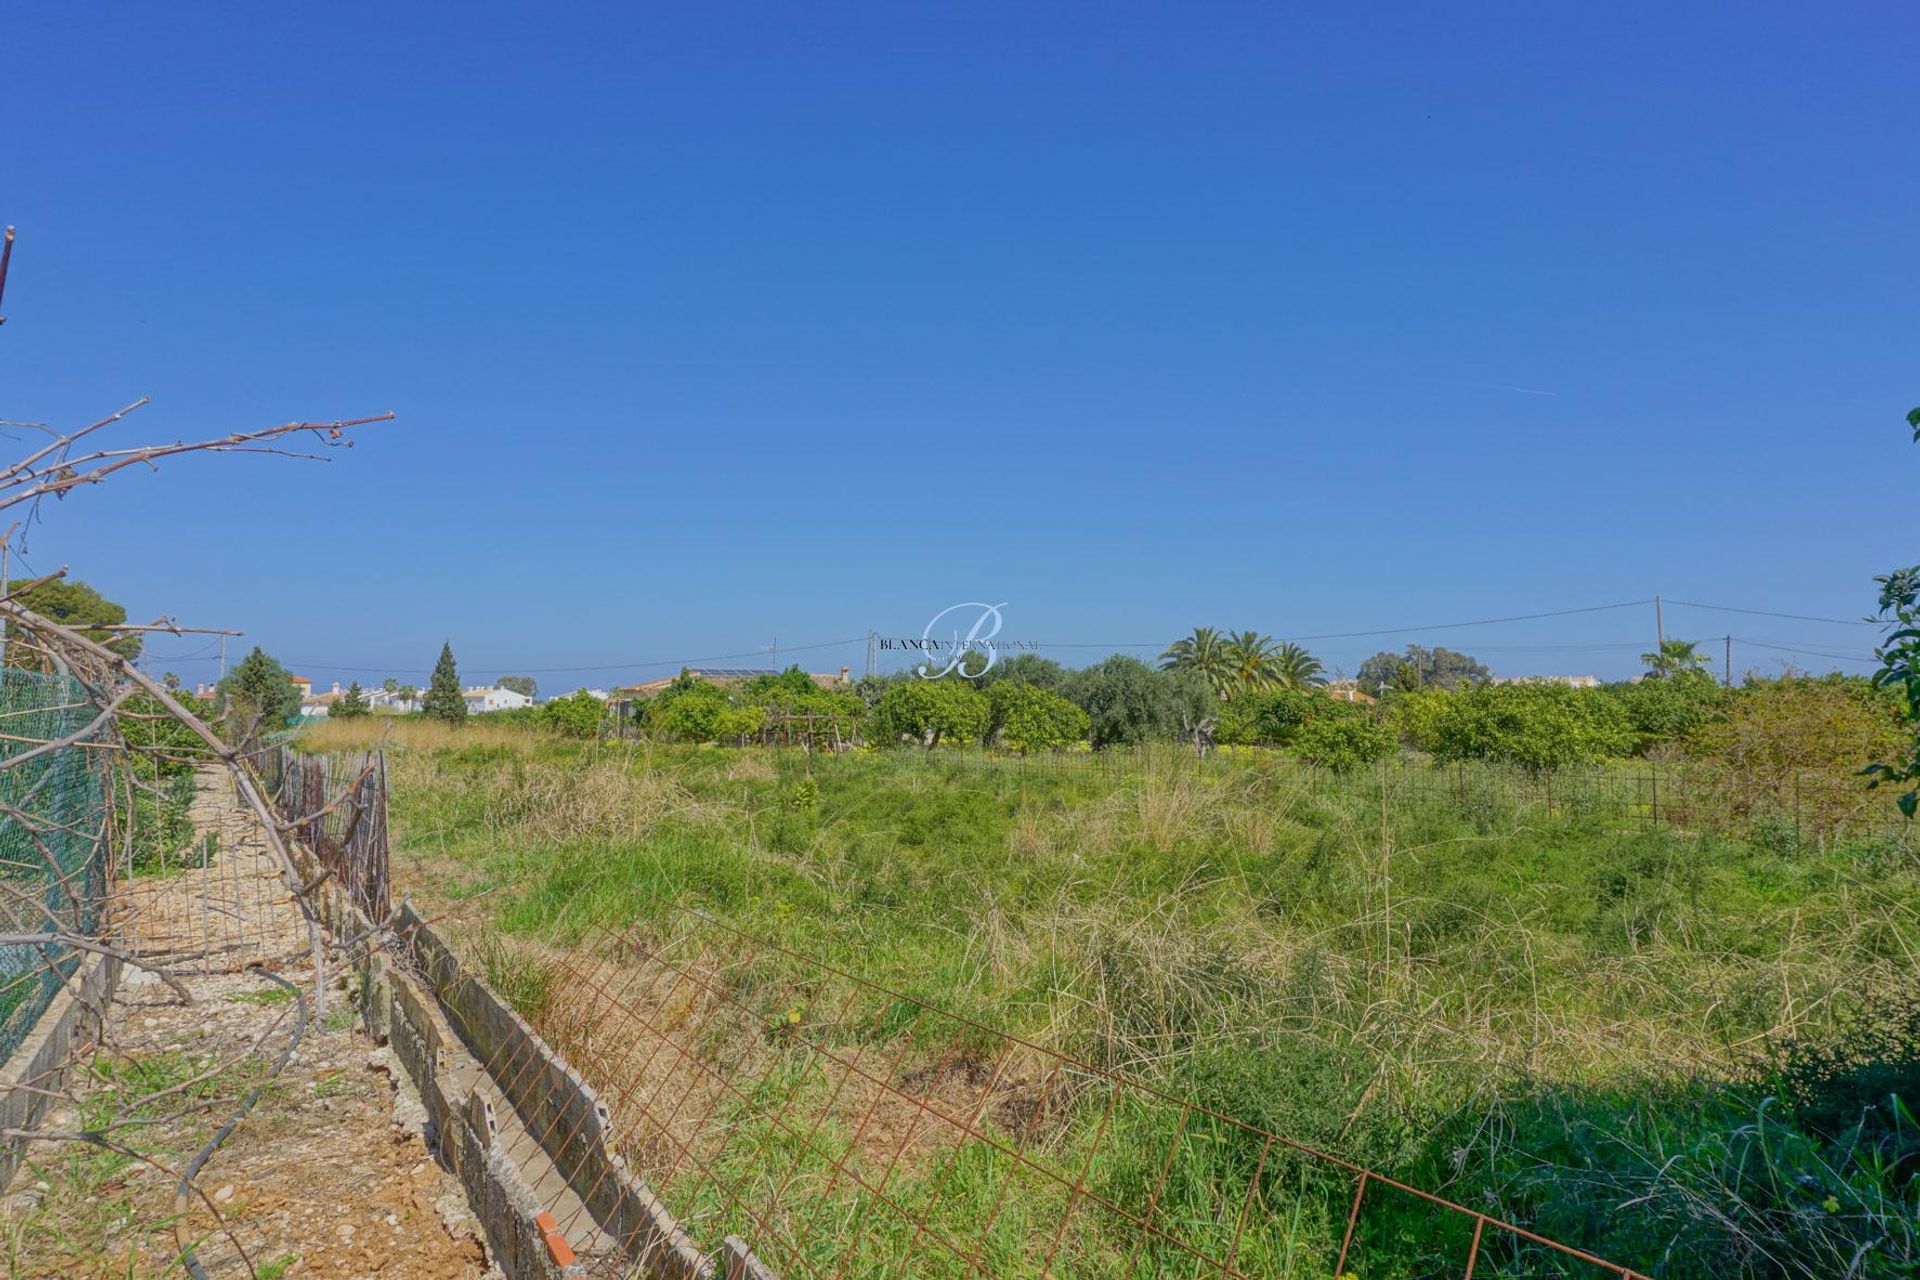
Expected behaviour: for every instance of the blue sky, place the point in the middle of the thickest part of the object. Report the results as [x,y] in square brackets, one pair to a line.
[711,326]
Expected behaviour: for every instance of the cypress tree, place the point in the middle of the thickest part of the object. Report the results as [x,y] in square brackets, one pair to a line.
[444,701]
[352,704]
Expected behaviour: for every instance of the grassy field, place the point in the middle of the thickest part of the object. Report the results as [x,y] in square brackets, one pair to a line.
[1671,1048]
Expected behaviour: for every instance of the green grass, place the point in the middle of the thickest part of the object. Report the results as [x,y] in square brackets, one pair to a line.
[275,1268]
[1573,1019]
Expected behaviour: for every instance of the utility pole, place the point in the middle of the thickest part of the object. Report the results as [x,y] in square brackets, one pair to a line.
[1729,667]
[223,658]
[1659,624]
[872,638]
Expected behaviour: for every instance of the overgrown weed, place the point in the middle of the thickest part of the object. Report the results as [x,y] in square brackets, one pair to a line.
[1552,1015]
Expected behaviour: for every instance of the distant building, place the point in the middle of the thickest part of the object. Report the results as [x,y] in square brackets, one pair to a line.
[304,685]
[379,700]
[1346,691]
[484,698]
[317,706]
[726,677]
[1572,682]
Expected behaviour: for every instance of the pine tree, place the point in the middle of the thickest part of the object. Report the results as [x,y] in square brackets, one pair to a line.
[259,689]
[444,700]
[353,704]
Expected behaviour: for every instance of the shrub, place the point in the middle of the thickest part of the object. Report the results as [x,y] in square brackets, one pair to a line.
[791,694]
[1028,718]
[1418,716]
[1673,708]
[1128,703]
[791,682]
[688,710]
[578,715]
[1269,717]
[737,724]
[1686,1180]
[1236,724]
[1856,1086]
[931,712]
[1536,726]
[1342,737]
[1776,728]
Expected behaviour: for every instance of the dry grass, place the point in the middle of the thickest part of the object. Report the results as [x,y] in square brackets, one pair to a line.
[751,768]
[1393,980]
[421,734]
[554,801]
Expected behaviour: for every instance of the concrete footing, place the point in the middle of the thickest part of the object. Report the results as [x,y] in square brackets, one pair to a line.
[33,1074]
[529,1140]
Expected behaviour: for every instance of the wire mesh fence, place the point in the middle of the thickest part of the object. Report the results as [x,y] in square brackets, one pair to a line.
[840,1128]
[342,803]
[53,837]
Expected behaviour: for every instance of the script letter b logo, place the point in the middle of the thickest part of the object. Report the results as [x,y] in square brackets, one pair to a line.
[980,636]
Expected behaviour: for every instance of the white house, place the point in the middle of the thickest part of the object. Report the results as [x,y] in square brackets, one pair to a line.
[1572,682]
[485,698]
[391,704]
[316,706]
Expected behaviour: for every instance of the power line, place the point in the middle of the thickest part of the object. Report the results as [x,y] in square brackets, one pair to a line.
[205,650]
[605,666]
[1480,622]
[1805,653]
[1768,613]
[1115,646]
[1391,631]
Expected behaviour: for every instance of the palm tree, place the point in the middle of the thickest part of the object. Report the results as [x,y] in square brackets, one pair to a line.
[1674,657]
[1203,652]
[1295,668]
[1253,660]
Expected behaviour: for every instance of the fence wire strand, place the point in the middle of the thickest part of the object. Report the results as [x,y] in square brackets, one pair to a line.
[842,1128]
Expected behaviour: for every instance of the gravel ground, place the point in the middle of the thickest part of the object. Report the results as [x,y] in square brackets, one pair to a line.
[327,1177]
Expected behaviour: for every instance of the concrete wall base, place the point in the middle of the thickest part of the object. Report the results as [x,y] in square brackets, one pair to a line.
[445,1026]
[34,1073]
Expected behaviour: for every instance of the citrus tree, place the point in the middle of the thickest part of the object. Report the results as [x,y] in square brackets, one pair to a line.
[1027,718]
[578,715]
[688,710]
[1342,737]
[931,712]
[1535,726]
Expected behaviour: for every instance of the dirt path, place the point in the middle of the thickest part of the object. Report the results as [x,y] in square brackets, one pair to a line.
[320,1180]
